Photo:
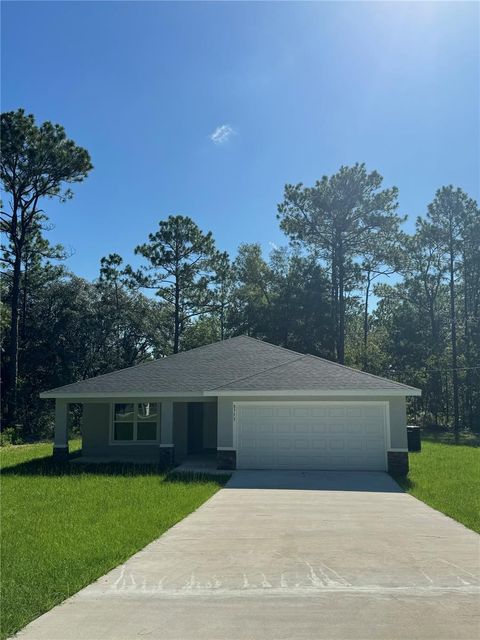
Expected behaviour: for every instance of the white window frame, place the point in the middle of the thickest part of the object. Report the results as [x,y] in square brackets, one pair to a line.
[133,442]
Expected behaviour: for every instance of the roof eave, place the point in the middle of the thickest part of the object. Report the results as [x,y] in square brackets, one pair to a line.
[76,395]
[114,395]
[408,391]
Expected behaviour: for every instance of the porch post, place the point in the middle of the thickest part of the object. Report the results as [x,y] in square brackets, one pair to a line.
[167,449]
[60,443]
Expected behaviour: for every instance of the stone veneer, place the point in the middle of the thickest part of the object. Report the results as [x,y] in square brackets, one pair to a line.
[166,457]
[398,463]
[226,459]
[60,453]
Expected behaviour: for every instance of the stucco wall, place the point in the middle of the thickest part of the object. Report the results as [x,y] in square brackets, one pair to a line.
[398,422]
[95,437]
[398,416]
[180,433]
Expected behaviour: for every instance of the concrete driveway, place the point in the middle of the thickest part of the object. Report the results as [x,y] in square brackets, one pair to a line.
[289,555]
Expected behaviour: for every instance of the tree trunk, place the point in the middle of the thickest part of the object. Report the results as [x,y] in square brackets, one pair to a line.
[334,301]
[456,421]
[341,308]
[365,322]
[12,347]
[176,312]
[447,400]
[176,321]
[24,301]
[468,404]
[436,376]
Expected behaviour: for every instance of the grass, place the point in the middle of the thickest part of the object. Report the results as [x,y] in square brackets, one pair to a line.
[63,525]
[447,477]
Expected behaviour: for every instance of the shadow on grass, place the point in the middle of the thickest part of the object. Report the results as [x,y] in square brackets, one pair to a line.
[404,481]
[196,476]
[49,467]
[443,436]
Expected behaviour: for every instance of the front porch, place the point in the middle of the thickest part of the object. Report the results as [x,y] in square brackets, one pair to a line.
[143,430]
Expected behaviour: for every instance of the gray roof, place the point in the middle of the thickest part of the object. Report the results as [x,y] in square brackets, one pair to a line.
[238,365]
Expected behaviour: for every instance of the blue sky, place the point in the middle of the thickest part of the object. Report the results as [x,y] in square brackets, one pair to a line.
[304,88]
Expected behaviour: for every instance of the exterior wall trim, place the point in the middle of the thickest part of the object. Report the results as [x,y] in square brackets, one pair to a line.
[120,395]
[411,391]
[142,395]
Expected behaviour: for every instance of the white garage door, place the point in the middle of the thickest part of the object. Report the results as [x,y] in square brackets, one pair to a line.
[316,435]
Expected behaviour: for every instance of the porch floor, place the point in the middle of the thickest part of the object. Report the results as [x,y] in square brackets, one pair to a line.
[205,462]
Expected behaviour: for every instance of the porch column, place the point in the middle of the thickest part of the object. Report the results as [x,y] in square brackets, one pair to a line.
[60,442]
[167,449]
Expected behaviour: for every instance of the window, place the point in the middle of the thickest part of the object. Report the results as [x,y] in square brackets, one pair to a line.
[136,422]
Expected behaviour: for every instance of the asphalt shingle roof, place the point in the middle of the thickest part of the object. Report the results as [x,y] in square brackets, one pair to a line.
[236,364]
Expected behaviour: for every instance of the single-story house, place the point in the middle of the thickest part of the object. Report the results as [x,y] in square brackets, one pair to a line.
[257,405]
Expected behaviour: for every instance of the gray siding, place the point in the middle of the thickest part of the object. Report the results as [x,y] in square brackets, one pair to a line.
[398,416]
[398,422]
[210,425]
[96,430]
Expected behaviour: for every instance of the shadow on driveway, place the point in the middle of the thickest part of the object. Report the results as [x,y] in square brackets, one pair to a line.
[371,481]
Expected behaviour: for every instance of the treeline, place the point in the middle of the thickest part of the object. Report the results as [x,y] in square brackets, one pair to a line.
[324,293]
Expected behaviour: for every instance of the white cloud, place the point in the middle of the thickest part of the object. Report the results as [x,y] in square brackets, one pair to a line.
[222,134]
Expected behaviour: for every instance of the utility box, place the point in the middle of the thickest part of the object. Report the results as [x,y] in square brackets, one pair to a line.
[413,437]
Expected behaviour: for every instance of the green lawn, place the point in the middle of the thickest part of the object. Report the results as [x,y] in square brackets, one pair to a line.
[63,525]
[447,477]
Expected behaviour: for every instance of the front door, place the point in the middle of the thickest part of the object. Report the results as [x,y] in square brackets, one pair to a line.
[195,427]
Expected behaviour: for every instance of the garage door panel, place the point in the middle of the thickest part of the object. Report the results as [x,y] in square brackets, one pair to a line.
[373,412]
[301,443]
[337,412]
[318,412]
[372,429]
[355,413]
[302,428]
[336,428]
[311,436]
[319,444]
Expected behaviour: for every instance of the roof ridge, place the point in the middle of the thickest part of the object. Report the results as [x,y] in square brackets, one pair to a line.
[202,346]
[257,373]
[275,346]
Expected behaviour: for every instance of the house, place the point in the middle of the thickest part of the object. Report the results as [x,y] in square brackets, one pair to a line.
[258,406]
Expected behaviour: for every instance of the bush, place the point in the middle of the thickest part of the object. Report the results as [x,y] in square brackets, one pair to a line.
[10,435]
